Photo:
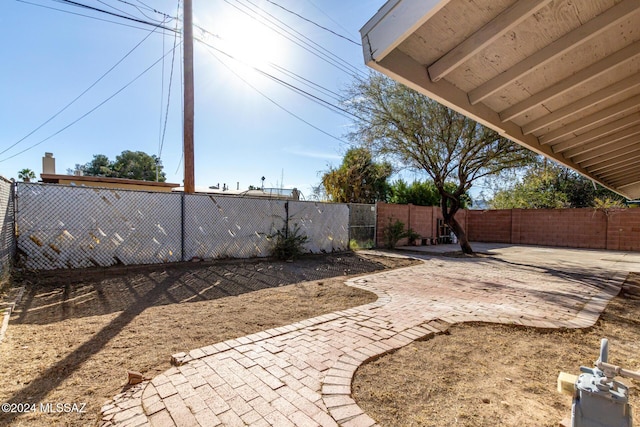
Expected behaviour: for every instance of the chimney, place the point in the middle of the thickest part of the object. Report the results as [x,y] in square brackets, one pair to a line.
[48,164]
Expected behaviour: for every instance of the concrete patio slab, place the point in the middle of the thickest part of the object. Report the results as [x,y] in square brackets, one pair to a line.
[300,374]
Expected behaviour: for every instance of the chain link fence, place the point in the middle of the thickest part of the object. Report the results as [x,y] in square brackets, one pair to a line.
[225,227]
[75,227]
[7,217]
[325,224]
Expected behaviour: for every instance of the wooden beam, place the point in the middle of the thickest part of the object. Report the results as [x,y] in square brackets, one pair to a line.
[596,133]
[629,104]
[618,174]
[632,189]
[587,74]
[491,31]
[628,180]
[601,95]
[594,156]
[569,41]
[604,145]
[626,159]
[626,165]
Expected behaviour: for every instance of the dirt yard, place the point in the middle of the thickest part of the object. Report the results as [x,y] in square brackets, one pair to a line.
[74,335]
[493,375]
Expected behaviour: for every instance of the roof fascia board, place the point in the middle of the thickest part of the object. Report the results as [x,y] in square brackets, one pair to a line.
[395,21]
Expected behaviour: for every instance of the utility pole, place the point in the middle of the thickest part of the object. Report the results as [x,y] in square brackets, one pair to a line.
[189,180]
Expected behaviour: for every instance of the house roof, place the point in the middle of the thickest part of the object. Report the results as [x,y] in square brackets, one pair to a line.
[560,77]
[56,178]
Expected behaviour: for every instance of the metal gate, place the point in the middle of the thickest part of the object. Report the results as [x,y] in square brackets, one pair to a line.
[362,224]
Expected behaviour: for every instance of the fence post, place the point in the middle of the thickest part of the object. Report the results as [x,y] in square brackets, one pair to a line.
[286,220]
[182,227]
[14,229]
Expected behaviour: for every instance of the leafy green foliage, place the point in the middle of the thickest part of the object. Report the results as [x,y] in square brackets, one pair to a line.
[99,166]
[418,193]
[137,165]
[393,232]
[354,245]
[548,185]
[421,193]
[128,164]
[289,244]
[358,179]
[26,175]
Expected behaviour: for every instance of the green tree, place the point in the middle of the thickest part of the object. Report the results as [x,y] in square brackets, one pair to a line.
[358,179]
[422,134]
[421,193]
[128,164]
[26,175]
[547,185]
[99,166]
[137,165]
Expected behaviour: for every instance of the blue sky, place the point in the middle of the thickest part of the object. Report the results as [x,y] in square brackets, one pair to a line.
[50,57]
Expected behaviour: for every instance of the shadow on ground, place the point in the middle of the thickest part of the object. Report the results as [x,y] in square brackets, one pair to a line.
[69,294]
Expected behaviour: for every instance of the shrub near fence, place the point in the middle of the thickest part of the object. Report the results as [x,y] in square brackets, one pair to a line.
[76,227]
[423,220]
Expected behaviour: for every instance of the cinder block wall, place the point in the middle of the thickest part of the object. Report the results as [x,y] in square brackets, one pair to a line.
[571,228]
[422,219]
[617,229]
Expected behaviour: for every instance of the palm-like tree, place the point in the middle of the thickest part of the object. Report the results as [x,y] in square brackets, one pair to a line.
[26,175]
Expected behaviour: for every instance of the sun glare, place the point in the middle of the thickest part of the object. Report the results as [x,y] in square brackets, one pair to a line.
[246,39]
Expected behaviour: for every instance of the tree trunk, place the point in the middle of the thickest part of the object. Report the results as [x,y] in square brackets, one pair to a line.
[448,213]
[461,235]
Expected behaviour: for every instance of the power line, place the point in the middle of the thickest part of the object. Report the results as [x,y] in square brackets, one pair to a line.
[319,48]
[328,57]
[83,15]
[81,94]
[166,116]
[150,9]
[314,23]
[272,100]
[95,9]
[115,8]
[328,16]
[90,111]
[332,107]
[332,94]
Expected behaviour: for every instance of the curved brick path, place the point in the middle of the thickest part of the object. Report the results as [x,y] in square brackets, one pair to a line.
[300,374]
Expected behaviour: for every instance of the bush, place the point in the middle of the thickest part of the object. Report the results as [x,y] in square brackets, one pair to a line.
[354,245]
[393,232]
[289,245]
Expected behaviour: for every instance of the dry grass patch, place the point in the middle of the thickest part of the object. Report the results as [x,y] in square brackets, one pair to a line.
[483,375]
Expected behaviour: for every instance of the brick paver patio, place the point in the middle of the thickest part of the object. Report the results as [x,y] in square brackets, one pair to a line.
[300,374]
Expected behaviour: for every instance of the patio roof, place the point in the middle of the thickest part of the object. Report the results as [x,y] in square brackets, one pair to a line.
[559,77]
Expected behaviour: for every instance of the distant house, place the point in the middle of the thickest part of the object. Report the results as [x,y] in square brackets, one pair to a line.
[263,193]
[49,176]
[105,182]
